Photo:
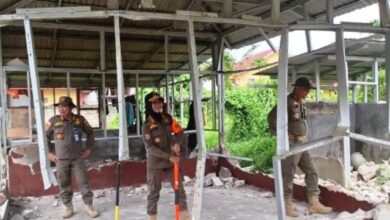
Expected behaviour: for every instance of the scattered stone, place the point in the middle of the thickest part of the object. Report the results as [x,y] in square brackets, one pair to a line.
[17,217]
[239,183]
[266,195]
[186,180]
[381,212]
[368,170]
[30,214]
[216,181]
[225,173]
[227,180]
[207,182]
[99,194]
[56,203]
[229,185]
[357,159]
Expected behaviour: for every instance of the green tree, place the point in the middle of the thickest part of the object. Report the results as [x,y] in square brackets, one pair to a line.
[258,62]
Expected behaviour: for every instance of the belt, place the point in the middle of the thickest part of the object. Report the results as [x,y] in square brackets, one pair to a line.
[298,139]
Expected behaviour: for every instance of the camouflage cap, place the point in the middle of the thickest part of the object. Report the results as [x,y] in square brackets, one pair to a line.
[304,82]
[66,101]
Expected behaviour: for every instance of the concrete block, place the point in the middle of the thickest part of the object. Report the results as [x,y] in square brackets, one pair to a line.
[368,170]
[216,181]
[225,173]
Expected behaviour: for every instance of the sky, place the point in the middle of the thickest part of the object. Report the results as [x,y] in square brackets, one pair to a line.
[319,38]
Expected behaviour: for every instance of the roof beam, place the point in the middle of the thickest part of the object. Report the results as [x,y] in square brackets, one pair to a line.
[132,31]
[240,2]
[12,8]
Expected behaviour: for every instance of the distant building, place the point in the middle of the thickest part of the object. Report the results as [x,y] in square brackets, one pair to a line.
[248,78]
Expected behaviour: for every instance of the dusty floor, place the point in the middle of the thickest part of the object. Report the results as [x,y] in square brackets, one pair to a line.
[218,204]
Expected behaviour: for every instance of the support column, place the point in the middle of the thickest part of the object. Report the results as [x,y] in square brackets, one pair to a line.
[330,11]
[342,79]
[275,10]
[3,116]
[201,159]
[387,56]
[376,81]
[123,153]
[218,67]
[30,120]
[47,173]
[317,78]
[181,104]
[103,69]
[214,101]
[167,101]
[365,88]
[281,121]
[68,84]
[137,104]
[307,32]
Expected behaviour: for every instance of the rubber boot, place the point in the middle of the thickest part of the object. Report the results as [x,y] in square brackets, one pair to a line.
[152,217]
[68,211]
[185,215]
[289,207]
[90,210]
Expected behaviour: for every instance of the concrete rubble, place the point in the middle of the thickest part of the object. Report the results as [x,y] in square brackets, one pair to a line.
[371,183]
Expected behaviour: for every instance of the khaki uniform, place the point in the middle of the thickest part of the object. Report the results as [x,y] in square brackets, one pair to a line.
[158,139]
[297,129]
[67,135]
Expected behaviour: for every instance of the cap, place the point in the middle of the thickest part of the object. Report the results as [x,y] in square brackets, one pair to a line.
[304,82]
[155,96]
[66,100]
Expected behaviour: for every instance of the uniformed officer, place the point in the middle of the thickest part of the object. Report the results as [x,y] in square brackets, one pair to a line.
[297,133]
[163,138]
[67,129]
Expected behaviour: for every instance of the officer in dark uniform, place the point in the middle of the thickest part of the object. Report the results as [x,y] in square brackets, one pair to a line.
[297,133]
[67,129]
[163,138]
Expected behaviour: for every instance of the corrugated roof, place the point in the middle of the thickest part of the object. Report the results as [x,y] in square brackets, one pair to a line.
[360,54]
[80,49]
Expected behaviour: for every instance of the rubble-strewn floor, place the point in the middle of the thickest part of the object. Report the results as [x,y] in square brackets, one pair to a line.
[243,202]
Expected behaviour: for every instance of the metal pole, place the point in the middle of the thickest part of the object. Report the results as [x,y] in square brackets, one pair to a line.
[137,104]
[387,55]
[330,11]
[103,69]
[213,102]
[47,173]
[173,95]
[376,81]
[166,45]
[281,120]
[307,32]
[275,10]
[68,84]
[201,159]
[3,117]
[342,78]
[317,77]
[365,88]
[30,122]
[181,104]
[123,153]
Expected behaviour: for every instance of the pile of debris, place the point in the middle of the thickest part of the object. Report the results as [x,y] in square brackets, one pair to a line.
[224,179]
[369,181]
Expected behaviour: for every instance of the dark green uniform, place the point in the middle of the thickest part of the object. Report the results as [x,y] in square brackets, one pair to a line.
[297,129]
[67,135]
[158,139]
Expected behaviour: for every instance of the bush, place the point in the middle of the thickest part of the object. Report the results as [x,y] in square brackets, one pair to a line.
[211,140]
[114,122]
[248,109]
[260,149]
